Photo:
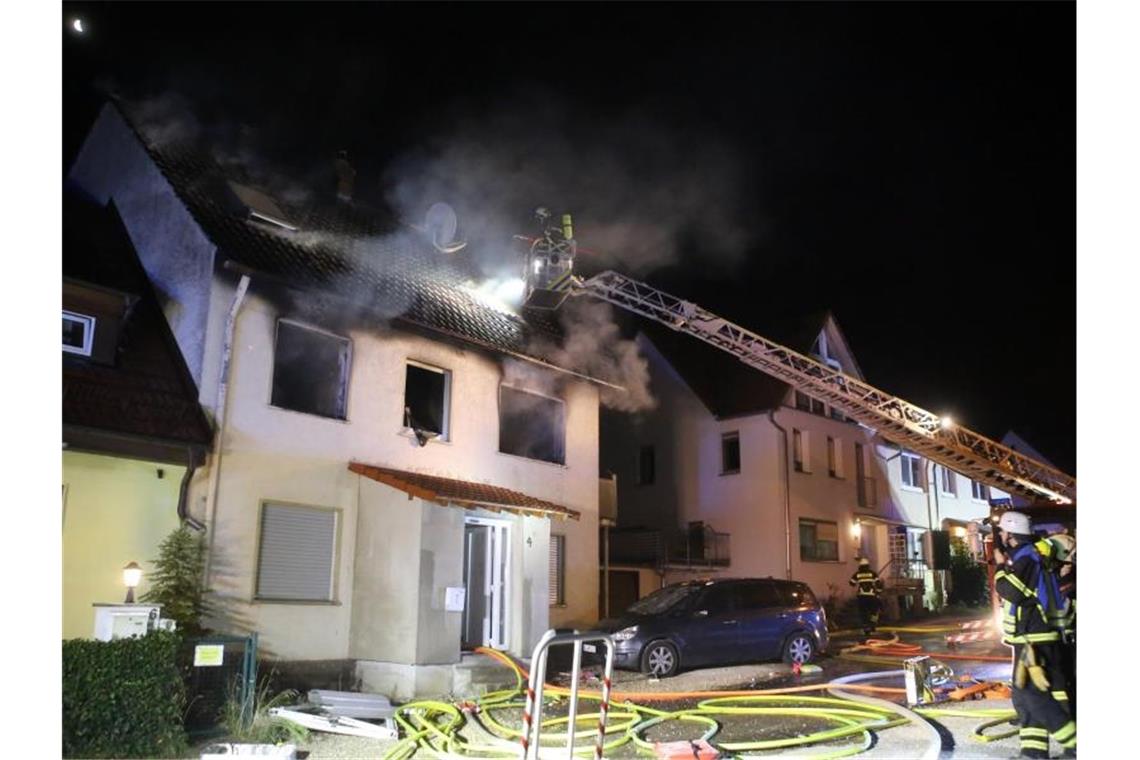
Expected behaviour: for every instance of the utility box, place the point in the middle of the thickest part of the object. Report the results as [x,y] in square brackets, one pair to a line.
[120,621]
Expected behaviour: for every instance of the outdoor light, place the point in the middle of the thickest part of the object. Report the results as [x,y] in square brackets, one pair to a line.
[132,574]
[947,422]
[856,529]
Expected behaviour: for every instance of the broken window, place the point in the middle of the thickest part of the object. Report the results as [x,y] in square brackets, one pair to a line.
[646,466]
[557,570]
[427,392]
[531,425]
[730,453]
[310,370]
[78,333]
[296,553]
[819,540]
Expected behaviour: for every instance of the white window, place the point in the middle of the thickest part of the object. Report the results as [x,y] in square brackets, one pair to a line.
[911,465]
[979,491]
[78,333]
[948,481]
[834,457]
[310,370]
[800,450]
[296,553]
[427,401]
[531,425]
[557,570]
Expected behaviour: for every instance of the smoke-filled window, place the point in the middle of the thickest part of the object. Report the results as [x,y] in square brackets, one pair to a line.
[310,370]
[426,399]
[531,425]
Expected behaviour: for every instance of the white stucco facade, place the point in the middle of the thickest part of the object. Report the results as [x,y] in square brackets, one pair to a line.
[395,555]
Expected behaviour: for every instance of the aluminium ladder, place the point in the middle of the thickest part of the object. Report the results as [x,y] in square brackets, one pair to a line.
[948,444]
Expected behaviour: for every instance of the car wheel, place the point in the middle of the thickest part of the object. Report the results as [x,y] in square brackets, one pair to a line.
[659,659]
[799,648]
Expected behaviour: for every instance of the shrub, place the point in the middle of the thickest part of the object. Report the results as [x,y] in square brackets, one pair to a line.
[123,698]
[177,582]
[969,581]
[261,727]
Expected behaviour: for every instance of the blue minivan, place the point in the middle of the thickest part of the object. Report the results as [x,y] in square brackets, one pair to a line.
[719,622]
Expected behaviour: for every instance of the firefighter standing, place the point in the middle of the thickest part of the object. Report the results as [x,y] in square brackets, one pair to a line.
[1059,552]
[1034,613]
[868,587]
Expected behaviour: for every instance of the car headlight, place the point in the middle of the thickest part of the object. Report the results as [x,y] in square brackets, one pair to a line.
[625,634]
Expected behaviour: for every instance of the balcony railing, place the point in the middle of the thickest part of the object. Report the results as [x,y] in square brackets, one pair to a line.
[905,572]
[698,545]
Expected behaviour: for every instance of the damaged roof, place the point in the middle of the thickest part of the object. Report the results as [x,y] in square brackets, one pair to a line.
[147,392]
[461,493]
[345,250]
[724,384]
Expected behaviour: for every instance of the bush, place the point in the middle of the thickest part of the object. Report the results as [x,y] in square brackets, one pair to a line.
[123,698]
[969,581]
[177,582]
[258,726]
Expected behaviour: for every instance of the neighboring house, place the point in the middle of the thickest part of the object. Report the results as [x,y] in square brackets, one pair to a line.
[389,437]
[133,431]
[735,472]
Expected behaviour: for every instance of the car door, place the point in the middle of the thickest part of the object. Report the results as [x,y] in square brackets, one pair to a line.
[763,620]
[710,627]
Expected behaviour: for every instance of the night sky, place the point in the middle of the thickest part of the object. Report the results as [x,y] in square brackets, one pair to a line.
[912,166]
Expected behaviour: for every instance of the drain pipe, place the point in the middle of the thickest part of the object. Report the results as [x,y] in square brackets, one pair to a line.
[192,462]
[787,498]
[220,417]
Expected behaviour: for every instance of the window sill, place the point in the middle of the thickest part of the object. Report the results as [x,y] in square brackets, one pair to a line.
[730,472]
[948,495]
[521,458]
[912,489]
[299,602]
[341,420]
[407,433]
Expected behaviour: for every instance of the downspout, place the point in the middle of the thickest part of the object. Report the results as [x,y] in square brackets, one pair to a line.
[787,497]
[220,416]
[192,462]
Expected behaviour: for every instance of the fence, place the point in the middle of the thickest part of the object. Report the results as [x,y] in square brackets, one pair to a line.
[217,669]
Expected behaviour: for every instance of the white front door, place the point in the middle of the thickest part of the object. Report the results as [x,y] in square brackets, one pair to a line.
[486,568]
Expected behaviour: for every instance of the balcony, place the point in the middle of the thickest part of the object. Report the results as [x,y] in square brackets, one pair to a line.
[696,546]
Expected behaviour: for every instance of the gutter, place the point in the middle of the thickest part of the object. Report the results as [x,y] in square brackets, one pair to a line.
[787,498]
[192,463]
[220,417]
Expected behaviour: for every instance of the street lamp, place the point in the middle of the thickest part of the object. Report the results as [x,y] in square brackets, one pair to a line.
[132,574]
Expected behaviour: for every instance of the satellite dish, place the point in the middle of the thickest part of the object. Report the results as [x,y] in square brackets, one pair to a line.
[441,224]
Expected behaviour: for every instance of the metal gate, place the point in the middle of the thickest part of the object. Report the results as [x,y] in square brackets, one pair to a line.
[217,669]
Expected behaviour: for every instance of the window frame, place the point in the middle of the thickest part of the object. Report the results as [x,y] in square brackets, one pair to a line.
[835,457]
[88,321]
[445,434]
[562,420]
[814,522]
[977,487]
[947,476]
[800,451]
[558,558]
[647,476]
[725,438]
[905,469]
[346,381]
[334,575]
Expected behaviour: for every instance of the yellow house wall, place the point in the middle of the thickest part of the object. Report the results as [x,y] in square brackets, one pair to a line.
[115,511]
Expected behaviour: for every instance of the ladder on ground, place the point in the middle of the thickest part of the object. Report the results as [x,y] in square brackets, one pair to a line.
[898,421]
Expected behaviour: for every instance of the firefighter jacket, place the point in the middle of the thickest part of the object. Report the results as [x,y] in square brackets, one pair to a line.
[1034,610]
[867,581]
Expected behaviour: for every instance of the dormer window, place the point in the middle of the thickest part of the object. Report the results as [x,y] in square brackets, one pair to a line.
[78,333]
[261,207]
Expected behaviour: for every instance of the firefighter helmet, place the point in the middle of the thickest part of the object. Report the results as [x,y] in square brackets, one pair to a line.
[1016,523]
[1064,547]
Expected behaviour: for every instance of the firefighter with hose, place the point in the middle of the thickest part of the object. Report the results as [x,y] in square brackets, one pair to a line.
[868,586]
[1034,616]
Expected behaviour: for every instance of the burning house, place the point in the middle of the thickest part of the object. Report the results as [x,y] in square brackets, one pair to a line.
[397,472]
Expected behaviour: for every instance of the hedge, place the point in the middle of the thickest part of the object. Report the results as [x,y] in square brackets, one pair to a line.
[123,698]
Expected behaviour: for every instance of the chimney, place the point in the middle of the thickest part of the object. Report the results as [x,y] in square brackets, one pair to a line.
[345,177]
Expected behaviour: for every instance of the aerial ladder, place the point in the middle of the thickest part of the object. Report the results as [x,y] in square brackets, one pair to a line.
[550,280]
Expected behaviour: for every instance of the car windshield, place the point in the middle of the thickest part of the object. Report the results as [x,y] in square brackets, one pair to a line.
[662,600]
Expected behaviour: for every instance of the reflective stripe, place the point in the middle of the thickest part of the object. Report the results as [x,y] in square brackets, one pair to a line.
[1034,732]
[1066,732]
[1034,744]
[1061,696]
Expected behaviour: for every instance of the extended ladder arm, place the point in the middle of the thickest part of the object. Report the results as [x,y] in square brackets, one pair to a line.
[907,425]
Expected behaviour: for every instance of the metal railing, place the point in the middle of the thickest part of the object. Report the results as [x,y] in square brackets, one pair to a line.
[907,572]
[696,546]
[532,716]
